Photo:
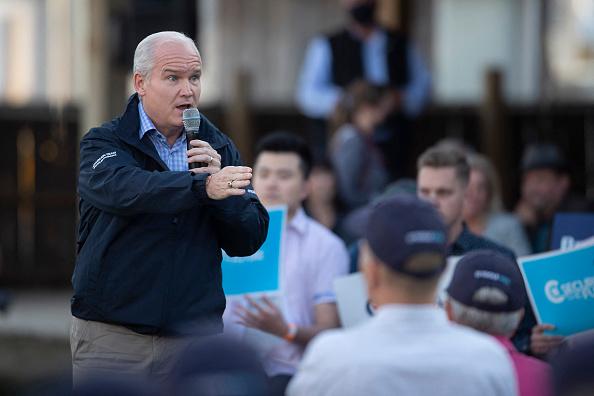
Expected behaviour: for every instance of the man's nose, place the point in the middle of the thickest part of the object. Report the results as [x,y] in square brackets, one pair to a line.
[186,89]
[272,181]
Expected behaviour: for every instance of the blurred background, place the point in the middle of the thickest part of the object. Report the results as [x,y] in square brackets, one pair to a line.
[504,73]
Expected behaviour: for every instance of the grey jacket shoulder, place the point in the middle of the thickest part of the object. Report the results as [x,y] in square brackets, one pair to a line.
[506,229]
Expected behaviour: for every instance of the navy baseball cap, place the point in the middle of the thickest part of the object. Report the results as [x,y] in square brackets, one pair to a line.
[398,227]
[482,268]
[543,155]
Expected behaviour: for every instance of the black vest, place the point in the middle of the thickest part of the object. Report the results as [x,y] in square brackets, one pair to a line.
[347,62]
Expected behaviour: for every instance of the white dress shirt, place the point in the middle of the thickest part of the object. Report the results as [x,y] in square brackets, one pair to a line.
[405,350]
[312,257]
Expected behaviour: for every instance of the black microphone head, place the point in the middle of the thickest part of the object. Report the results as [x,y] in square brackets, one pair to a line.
[191,119]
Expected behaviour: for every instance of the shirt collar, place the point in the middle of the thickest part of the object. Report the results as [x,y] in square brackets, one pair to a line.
[378,36]
[145,122]
[405,312]
[299,221]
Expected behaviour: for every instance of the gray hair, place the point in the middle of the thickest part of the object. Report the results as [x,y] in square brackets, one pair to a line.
[494,323]
[144,61]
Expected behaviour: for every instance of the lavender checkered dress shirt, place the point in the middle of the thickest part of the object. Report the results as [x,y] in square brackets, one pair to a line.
[175,157]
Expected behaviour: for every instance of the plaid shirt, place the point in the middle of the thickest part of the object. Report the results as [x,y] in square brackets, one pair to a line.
[175,157]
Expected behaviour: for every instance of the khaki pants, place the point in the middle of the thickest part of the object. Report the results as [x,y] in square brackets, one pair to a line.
[100,349]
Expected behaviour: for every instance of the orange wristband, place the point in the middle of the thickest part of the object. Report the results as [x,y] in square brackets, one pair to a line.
[292,332]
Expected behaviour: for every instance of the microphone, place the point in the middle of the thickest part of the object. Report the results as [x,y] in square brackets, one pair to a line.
[191,120]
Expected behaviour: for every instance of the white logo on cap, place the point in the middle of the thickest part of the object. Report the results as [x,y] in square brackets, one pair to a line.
[424,236]
[494,276]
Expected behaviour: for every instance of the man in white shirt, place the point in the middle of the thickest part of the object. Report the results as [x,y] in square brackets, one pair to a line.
[312,257]
[409,347]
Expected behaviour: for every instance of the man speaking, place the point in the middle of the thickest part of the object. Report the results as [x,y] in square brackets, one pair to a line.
[148,272]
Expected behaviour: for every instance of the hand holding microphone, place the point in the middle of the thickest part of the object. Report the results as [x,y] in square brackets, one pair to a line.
[204,159]
[221,184]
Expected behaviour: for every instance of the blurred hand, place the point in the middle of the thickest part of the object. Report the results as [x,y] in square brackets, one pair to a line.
[541,343]
[203,152]
[218,186]
[267,317]
[526,213]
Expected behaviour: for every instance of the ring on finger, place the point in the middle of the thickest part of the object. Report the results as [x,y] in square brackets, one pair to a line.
[230,184]
[210,160]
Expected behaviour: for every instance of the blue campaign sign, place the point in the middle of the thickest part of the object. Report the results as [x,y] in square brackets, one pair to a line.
[259,272]
[570,228]
[560,286]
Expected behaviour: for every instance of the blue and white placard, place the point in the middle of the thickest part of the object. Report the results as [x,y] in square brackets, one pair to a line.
[571,228]
[560,286]
[259,272]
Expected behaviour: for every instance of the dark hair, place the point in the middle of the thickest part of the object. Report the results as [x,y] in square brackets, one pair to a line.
[440,157]
[287,142]
[325,164]
[356,95]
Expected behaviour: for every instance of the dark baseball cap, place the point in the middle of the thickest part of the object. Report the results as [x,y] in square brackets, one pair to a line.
[543,155]
[398,227]
[482,268]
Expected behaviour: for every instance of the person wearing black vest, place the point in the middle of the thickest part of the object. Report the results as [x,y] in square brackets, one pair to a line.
[364,50]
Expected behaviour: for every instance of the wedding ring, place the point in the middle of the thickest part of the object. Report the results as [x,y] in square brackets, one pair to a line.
[230,184]
[210,160]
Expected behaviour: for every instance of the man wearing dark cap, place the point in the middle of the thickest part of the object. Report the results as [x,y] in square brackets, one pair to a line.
[545,191]
[409,347]
[487,294]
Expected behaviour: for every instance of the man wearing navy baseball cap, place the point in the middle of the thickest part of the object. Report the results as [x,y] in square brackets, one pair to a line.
[409,347]
[487,293]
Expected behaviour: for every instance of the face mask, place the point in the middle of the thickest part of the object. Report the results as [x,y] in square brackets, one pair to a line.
[364,13]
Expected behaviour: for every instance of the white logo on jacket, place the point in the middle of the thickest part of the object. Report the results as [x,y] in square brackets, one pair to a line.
[103,157]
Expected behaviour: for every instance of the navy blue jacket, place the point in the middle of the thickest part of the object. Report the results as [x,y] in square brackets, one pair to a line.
[150,239]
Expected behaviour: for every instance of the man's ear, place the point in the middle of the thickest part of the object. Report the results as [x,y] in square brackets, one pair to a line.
[372,272]
[140,83]
[449,310]
[368,265]
[565,182]
[522,312]
[465,190]
[306,189]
